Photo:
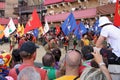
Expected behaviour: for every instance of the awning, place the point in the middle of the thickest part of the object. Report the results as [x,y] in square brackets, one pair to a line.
[2,5]
[106,9]
[47,2]
[5,21]
[87,13]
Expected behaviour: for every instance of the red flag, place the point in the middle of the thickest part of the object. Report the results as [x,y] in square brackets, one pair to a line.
[57,29]
[33,23]
[117,14]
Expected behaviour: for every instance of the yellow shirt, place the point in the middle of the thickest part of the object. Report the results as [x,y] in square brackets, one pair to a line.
[66,77]
[86,42]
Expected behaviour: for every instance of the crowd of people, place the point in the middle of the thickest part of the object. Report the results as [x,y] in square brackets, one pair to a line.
[90,58]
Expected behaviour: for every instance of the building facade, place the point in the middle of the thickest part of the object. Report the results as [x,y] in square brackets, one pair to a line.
[83,10]
[56,11]
[25,9]
[6,11]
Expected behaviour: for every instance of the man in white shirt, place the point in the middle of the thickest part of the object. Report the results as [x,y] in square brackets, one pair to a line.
[110,33]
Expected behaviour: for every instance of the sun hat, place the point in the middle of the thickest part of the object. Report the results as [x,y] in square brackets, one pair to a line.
[103,20]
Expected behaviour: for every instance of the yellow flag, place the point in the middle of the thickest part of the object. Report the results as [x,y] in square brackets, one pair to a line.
[1,31]
[41,31]
[20,30]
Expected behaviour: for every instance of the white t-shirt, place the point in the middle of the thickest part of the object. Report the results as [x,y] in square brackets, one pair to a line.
[112,34]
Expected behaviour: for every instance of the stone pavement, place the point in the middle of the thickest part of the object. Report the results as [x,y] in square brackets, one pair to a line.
[40,52]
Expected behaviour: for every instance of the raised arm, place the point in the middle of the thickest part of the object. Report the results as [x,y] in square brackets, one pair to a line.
[100,41]
[99,60]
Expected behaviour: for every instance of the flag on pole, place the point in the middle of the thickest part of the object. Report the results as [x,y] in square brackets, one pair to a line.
[80,30]
[36,32]
[78,33]
[117,14]
[33,23]
[46,27]
[20,30]
[1,31]
[41,30]
[57,30]
[10,28]
[69,24]
[96,28]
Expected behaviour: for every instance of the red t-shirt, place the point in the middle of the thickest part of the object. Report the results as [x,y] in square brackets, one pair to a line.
[42,72]
[21,42]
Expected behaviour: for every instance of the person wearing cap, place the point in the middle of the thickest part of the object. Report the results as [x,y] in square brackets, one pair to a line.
[110,33]
[28,73]
[28,54]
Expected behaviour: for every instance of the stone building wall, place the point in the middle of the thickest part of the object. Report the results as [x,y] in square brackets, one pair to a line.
[9,8]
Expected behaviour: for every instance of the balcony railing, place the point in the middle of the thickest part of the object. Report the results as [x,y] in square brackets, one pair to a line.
[2,0]
[24,11]
[28,9]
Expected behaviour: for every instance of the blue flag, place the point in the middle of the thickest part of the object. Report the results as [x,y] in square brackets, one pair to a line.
[96,28]
[78,33]
[80,30]
[36,32]
[69,24]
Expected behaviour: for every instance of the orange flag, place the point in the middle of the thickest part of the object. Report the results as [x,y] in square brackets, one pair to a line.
[33,23]
[117,14]
[1,31]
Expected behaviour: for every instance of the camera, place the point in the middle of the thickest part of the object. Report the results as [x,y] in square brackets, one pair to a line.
[86,52]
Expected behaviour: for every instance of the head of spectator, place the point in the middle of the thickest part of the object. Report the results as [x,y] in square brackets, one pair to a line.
[85,41]
[73,61]
[86,52]
[28,73]
[88,57]
[57,53]
[28,55]
[28,51]
[85,36]
[48,59]
[92,74]
[52,43]
[16,59]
